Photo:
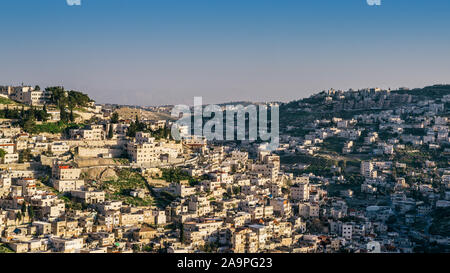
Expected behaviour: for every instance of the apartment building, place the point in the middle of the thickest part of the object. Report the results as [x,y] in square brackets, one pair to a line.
[65,172]
[300,191]
[244,240]
[91,132]
[368,170]
[89,196]
[30,96]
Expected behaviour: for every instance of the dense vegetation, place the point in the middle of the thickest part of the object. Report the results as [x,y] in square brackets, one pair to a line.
[62,99]
[292,114]
[26,118]
[67,100]
[135,127]
[70,99]
[138,126]
[56,127]
[334,144]
[175,175]
[120,188]
[7,101]
[441,222]
[37,114]
[5,249]
[428,92]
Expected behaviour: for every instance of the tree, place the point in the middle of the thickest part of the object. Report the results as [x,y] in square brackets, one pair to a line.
[148,248]
[2,154]
[29,124]
[71,116]
[315,226]
[110,132]
[57,94]
[343,165]
[174,175]
[182,233]
[70,99]
[76,98]
[31,212]
[132,130]
[24,156]
[41,115]
[136,248]
[23,209]
[19,217]
[64,116]
[115,118]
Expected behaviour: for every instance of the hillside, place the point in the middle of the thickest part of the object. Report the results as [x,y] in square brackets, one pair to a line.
[329,104]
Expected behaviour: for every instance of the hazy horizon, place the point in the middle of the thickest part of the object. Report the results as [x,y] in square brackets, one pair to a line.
[232,101]
[158,52]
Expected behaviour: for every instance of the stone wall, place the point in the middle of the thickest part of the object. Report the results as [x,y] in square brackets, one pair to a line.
[96,152]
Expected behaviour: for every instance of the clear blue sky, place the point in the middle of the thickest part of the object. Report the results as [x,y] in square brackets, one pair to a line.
[151,52]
